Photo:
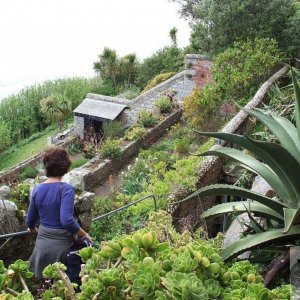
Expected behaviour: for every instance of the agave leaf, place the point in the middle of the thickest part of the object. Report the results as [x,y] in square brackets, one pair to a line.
[284,134]
[255,225]
[284,165]
[240,207]
[292,132]
[297,99]
[258,240]
[254,165]
[231,190]
[291,215]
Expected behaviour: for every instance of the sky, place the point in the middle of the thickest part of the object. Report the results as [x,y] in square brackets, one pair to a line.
[48,39]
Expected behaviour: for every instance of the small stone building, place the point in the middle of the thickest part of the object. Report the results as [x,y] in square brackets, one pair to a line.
[92,114]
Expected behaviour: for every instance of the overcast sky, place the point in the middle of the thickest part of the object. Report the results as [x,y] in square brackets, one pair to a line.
[45,39]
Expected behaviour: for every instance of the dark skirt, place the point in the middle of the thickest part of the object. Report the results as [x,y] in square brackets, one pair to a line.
[52,245]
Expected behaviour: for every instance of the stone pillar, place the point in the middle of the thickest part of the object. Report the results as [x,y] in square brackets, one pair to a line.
[198,69]
[79,126]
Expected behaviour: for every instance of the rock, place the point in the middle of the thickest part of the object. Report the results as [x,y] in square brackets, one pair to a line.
[235,230]
[29,180]
[4,192]
[83,204]
[259,185]
[42,178]
[75,178]
[8,216]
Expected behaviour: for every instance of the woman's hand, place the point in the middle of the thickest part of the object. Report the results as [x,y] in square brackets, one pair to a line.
[87,236]
[33,231]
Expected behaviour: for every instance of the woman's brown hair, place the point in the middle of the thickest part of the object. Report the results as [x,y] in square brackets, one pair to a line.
[56,161]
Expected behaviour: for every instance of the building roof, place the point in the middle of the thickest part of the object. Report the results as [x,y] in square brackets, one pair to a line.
[100,109]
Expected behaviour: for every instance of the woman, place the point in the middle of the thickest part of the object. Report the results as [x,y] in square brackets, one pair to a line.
[52,203]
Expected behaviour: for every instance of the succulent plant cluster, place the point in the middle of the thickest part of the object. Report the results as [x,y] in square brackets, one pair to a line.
[145,266]
[142,266]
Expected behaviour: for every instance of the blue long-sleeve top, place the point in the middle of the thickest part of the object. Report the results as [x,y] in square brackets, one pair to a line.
[53,204]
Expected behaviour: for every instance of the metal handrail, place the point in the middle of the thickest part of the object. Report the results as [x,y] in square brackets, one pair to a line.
[13,234]
[126,206]
[21,233]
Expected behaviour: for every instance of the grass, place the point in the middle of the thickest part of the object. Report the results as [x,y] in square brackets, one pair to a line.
[25,149]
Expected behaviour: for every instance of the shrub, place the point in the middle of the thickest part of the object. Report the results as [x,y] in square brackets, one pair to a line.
[110,148]
[157,80]
[5,138]
[239,70]
[163,104]
[200,105]
[28,172]
[21,192]
[113,129]
[182,145]
[136,132]
[78,163]
[75,148]
[129,92]
[146,118]
[178,131]
[134,180]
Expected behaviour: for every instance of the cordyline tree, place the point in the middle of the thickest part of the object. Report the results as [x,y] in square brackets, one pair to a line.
[118,71]
[217,24]
[57,108]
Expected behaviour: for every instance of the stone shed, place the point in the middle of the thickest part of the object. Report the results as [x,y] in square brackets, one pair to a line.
[91,114]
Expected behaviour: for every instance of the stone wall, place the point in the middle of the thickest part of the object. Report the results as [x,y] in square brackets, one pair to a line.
[97,170]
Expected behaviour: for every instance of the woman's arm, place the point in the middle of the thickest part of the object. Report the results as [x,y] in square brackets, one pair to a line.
[32,214]
[67,211]
[82,233]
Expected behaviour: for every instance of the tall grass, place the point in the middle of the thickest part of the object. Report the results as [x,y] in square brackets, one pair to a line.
[22,111]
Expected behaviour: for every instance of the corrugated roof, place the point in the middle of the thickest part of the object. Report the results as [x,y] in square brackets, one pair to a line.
[100,109]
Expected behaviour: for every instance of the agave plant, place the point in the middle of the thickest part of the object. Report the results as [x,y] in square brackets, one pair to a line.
[278,164]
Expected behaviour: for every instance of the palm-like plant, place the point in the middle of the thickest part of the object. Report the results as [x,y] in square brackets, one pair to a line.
[56,108]
[278,164]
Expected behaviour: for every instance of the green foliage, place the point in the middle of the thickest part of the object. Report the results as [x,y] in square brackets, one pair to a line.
[56,107]
[75,147]
[168,59]
[218,25]
[134,180]
[110,148]
[279,164]
[182,145]
[21,192]
[201,105]
[160,263]
[113,129]
[129,93]
[239,70]
[22,113]
[156,80]
[5,138]
[155,172]
[146,118]
[26,148]
[114,70]
[153,263]
[163,104]
[28,172]
[135,132]
[78,163]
